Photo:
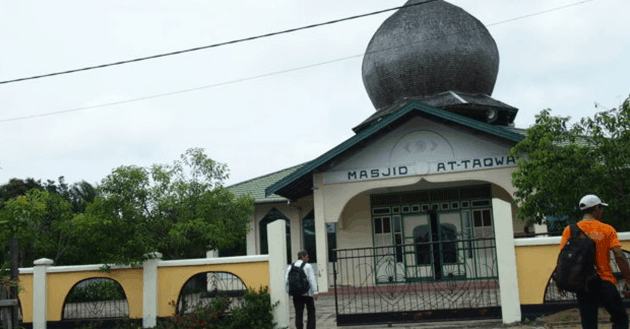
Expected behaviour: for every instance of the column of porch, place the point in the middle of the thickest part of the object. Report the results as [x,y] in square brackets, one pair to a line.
[321,236]
[506,259]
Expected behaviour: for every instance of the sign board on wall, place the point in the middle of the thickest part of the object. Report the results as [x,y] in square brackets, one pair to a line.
[421,147]
[421,168]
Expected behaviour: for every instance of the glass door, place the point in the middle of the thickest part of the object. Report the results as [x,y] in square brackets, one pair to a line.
[485,250]
[418,257]
[451,254]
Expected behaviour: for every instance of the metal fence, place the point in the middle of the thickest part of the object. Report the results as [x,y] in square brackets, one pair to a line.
[553,295]
[417,282]
[203,288]
[98,298]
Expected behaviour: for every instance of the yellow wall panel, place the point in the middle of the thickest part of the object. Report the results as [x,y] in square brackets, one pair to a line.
[171,280]
[26,297]
[60,284]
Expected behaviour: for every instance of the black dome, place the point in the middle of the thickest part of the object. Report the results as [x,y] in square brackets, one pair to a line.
[426,49]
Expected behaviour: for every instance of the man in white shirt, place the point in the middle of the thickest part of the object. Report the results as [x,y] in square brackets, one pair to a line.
[307,299]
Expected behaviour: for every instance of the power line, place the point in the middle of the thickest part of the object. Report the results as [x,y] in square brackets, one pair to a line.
[139,59]
[175,92]
[258,76]
[542,12]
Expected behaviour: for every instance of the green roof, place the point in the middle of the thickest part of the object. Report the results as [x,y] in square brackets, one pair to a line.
[256,186]
[299,182]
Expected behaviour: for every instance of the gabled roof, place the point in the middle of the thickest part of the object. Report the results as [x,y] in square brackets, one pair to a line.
[299,183]
[256,187]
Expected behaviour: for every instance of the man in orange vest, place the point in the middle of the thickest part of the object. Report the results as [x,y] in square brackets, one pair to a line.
[604,290]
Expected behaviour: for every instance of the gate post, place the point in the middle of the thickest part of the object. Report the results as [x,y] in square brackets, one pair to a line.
[40,293]
[506,259]
[277,271]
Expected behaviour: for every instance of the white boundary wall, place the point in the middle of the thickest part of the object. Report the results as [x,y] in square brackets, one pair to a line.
[555,240]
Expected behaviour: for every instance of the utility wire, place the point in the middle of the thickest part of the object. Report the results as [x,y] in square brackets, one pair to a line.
[213,45]
[541,12]
[263,75]
[176,92]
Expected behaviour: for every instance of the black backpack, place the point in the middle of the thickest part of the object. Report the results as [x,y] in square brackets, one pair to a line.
[298,282]
[576,267]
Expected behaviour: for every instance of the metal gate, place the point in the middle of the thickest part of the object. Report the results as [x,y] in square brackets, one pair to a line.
[425,281]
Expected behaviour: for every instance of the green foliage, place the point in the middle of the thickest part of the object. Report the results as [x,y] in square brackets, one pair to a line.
[98,290]
[127,323]
[42,222]
[559,162]
[255,312]
[16,187]
[78,194]
[41,217]
[181,210]
[5,277]
[94,324]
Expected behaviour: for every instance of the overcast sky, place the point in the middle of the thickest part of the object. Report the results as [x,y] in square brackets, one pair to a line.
[565,60]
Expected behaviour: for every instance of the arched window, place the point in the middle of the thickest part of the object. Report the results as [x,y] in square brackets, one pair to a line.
[273,215]
[308,235]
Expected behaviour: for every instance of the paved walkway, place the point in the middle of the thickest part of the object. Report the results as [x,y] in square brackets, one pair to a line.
[326,319]
[325,311]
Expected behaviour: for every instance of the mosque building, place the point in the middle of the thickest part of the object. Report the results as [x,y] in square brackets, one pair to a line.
[431,163]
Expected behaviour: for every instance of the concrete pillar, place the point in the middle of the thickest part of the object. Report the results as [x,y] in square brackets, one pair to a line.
[150,290]
[40,290]
[251,236]
[506,259]
[212,253]
[321,235]
[296,235]
[277,271]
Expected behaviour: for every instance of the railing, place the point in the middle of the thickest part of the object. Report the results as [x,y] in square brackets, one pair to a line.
[534,235]
[420,281]
[553,295]
[97,298]
[203,288]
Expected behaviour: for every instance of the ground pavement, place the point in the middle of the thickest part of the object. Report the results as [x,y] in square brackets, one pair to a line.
[325,313]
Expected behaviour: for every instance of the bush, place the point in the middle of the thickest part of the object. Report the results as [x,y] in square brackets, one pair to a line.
[255,312]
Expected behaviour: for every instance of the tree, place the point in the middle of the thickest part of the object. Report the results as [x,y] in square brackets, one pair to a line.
[181,210]
[16,187]
[559,162]
[40,216]
[78,194]
[42,222]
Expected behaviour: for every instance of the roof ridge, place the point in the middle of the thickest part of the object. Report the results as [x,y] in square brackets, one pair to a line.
[266,175]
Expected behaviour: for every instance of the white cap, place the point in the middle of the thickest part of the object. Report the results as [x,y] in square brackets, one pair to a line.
[590,200]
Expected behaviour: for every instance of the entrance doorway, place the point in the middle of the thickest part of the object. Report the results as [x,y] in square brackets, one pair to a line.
[431,233]
[437,253]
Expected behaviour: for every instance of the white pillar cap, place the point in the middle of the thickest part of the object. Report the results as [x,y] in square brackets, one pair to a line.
[43,261]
